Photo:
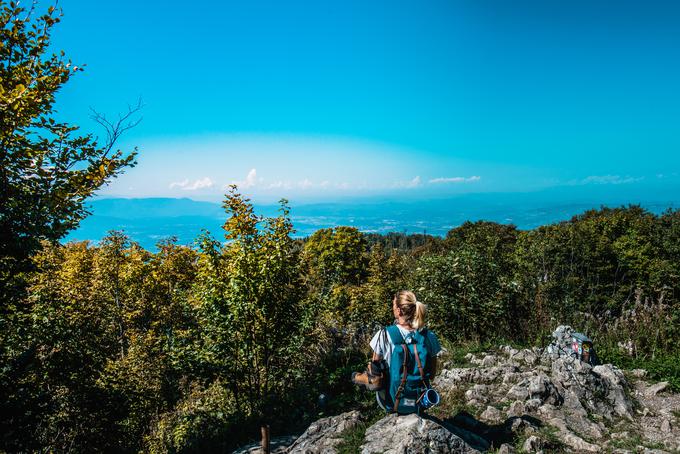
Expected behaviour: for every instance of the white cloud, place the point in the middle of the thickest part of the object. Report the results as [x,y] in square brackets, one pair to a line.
[179,184]
[279,185]
[455,180]
[250,181]
[302,184]
[186,185]
[414,183]
[609,179]
[305,184]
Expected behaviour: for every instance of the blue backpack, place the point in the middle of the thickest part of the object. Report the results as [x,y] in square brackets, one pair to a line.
[409,375]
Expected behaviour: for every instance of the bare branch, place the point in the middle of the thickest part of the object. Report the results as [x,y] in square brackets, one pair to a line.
[114,129]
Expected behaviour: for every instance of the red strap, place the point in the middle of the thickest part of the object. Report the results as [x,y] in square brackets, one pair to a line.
[420,365]
[403,380]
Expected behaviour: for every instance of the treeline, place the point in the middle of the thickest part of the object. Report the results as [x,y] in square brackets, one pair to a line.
[115,348]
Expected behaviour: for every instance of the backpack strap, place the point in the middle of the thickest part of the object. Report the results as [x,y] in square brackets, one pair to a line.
[420,365]
[403,379]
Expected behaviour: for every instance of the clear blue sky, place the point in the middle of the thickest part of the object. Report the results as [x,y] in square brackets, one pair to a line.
[316,99]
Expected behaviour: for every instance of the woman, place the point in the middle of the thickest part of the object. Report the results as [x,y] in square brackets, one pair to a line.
[409,315]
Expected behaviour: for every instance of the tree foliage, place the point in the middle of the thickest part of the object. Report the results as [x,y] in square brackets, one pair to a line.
[249,293]
[47,170]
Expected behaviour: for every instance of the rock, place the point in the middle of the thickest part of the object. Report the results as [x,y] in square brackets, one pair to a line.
[488,361]
[516,409]
[543,389]
[620,436]
[518,425]
[532,405]
[508,350]
[656,388]
[506,448]
[477,393]
[527,356]
[561,344]
[491,414]
[324,435]
[532,444]
[510,377]
[612,381]
[520,391]
[574,441]
[638,373]
[666,426]
[411,434]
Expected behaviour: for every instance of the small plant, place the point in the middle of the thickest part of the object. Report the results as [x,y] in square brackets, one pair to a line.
[453,402]
[548,434]
[353,438]
[633,441]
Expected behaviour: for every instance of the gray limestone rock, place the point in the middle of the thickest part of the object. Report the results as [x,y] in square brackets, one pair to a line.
[477,393]
[324,435]
[491,414]
[656,388]
[412,435]
[666,426]
[516,409]
[506,448]
[488,361]
[532,405]
[520,391]
[532,444]
[638,373]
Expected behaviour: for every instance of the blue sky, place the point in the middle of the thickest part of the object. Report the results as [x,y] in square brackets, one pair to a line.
[322,100]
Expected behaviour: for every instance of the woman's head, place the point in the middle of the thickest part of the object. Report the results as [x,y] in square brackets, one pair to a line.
[412,311]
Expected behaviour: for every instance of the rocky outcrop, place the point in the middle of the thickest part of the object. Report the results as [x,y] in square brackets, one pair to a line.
[324,435]
[510,400]
[567,402]
[413,434]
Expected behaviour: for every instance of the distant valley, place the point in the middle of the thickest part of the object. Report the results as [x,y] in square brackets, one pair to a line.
[149,220]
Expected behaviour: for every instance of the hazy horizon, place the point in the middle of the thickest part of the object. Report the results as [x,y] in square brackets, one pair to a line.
[148,220]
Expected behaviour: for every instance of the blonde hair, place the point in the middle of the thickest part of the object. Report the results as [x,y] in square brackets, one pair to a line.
[413,310]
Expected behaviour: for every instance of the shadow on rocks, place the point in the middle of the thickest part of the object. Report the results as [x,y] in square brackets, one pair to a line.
[493,436]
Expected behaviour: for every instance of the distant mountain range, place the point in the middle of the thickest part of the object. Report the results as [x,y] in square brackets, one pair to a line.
[148,220]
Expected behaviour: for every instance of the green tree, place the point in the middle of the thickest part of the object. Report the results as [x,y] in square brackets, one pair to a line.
[47,170]
[249,294]
[336,256]
[469,288]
